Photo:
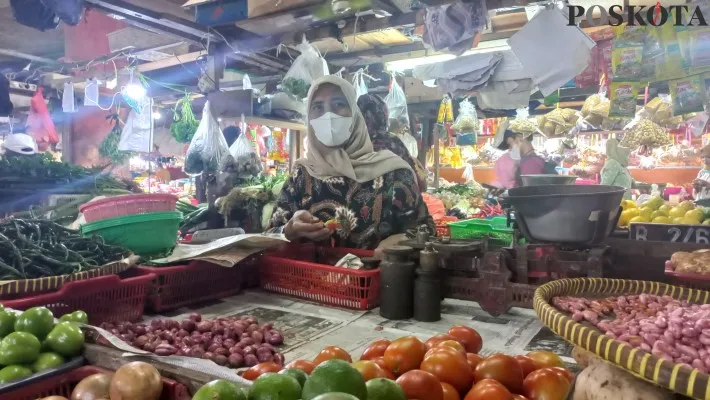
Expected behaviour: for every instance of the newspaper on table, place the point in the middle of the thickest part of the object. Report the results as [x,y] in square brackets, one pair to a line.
[226,251]
[308,328]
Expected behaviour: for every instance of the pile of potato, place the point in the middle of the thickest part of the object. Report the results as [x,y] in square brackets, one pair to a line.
[697,262]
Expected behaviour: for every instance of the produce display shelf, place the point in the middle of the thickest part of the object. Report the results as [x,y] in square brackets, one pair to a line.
[62,385]
[198,281]
[675,377]
[302,272]
[105,298]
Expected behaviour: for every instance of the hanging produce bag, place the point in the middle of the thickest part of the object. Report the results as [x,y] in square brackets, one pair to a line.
[184,124]
[39,122]
[208,147]
[623,99]
[467,121]
[396,103]
[246,159]
[137,134]
[359,83]
[306,68]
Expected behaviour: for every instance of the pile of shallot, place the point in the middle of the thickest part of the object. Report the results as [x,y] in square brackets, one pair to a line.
[668,328]
[233,341]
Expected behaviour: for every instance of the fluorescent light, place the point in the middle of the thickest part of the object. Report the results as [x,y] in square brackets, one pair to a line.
[157,115]
[134,91]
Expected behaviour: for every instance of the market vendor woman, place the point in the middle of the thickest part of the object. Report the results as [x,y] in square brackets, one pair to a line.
[343,189]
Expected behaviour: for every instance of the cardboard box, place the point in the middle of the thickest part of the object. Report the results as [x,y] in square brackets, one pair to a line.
[259,8]
[218,12]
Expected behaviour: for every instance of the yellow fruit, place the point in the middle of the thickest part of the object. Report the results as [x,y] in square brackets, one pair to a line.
[677,220]
[656,214]
[677,212]
[646,212]
[687,205]
[688,221]
[665,209]
[662,220]
[706,222]
[639,219]
[627,204]
[697,215]
[626,216]
[649,204]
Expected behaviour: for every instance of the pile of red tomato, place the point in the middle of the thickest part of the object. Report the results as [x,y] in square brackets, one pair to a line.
[448,367]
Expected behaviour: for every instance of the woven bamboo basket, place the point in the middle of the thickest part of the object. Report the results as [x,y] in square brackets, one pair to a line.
[678,378]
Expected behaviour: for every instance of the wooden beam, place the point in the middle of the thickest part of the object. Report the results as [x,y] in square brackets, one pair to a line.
[171,61]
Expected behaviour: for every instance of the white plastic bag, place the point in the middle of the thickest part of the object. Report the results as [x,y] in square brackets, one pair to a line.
[467,120]
[410,143]
[137,134]
[306,68]
[397,105]
[359,83]
[208,147]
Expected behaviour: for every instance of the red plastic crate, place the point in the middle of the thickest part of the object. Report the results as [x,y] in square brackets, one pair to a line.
[300,275]
[105,298]
[130,204]
[177,286]
[62,385]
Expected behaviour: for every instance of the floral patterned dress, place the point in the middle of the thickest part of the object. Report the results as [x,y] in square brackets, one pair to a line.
[365,213]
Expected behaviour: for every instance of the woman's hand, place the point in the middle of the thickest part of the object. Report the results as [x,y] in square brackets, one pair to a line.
[303,225]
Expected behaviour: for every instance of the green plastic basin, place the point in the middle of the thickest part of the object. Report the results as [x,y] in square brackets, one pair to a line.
[143,234]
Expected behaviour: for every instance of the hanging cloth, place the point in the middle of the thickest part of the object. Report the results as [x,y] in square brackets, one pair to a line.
[137,134]
[39,122]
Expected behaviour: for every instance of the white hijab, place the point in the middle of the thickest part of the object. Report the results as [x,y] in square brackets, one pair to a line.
[356,159]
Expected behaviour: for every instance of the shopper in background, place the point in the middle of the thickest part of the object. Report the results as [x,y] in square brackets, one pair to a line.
[344,190]
[615,171]
[701,185]
[376,115]
[521,151]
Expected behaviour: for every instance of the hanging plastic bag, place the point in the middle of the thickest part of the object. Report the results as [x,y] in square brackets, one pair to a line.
[467,121]
[306,68]
[396,103]
[208,147]
[410,143]
[137,134]
[39,122]
[68,105]
[248,163]
[359,83]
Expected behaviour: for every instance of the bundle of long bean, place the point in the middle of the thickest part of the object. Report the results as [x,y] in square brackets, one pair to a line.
[34,248]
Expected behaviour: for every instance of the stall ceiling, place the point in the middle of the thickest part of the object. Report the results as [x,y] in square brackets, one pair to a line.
[14,36]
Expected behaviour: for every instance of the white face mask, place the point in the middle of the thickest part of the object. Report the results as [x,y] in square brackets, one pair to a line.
[515,152]
[331,129]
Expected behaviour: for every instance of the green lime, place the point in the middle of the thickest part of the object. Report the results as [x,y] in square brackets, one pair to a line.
[13,373]
[300,376]
[219,389]
[7,323]
[271,386]
[37,321]
[47,361]
[66,339]
[384,389]
[336,396]
[335,376]
[19,348]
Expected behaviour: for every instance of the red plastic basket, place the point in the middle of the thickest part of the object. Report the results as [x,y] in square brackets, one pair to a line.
[181,285]
[130,204]
[305,274]
[105,298]
[62,385]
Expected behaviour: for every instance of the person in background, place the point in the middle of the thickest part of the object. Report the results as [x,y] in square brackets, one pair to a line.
[615,171]
[701,185]
[376,115]
[522,153]
[344,191]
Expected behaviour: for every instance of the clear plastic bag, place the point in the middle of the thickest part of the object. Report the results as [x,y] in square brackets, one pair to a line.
[208,147]
[247,160]
[359,83]
[410,143]
[467,121]
[396,102]
[306,68]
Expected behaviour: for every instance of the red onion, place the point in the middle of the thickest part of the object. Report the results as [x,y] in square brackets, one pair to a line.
[195,317]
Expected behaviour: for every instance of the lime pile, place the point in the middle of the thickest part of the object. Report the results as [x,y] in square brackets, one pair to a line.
[656,211]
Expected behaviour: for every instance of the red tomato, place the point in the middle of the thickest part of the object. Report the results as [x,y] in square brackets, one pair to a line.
[546,359]
[450,392]
[519,397]
[438,349]
[450,367]
[468,337]
[527,364]
[369,370]
[488,389]
[404,354]
[376,349]
[260,369]
[330,353]
[304,365]
[454,345]
[564,372]
[473,360]
[546,384]
[435,340]
[503,369]
[419,384]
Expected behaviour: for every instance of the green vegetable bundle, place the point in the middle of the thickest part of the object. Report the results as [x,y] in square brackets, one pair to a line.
[185,125]
[109,146]
[35,248]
